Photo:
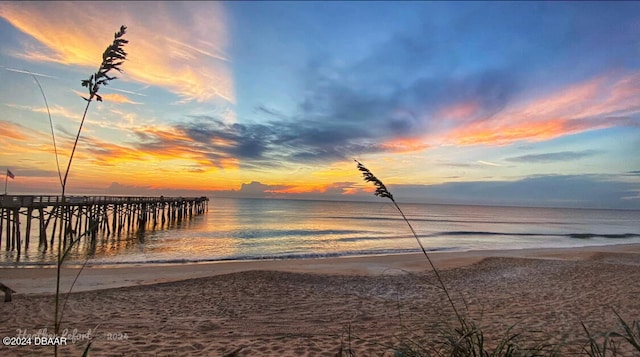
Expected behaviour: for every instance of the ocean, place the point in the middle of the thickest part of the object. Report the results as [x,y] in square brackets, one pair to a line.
[250,229]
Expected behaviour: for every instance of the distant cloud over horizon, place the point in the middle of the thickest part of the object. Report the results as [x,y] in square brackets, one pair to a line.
[553,156]
[569,191]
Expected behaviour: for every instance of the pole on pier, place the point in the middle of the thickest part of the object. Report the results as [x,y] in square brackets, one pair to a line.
[8,175]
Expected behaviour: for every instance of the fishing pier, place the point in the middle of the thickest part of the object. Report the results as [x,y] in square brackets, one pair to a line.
[74,217]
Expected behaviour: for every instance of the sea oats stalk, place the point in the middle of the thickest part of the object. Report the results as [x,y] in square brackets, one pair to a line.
[53,134]
[382,191]
[112,58]
[468,339]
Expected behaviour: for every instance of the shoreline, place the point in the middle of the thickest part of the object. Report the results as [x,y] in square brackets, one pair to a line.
[31,280]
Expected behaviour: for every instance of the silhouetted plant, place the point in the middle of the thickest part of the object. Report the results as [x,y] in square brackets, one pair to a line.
[382,191]
[112,58]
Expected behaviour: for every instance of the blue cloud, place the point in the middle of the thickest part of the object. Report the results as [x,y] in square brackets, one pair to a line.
[553,191]
[554,156]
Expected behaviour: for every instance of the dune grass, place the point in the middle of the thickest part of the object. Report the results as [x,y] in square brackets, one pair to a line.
[608,344]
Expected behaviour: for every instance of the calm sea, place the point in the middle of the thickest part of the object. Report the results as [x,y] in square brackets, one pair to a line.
[242,229]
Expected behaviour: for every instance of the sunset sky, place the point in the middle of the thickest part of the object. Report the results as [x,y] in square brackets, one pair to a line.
[503,103]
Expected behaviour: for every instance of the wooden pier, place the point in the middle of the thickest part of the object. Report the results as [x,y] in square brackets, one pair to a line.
[78,217]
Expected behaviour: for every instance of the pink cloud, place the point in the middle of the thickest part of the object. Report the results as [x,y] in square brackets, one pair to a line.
[602,102]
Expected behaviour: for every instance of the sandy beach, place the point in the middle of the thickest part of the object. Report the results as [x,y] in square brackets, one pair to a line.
[313,307]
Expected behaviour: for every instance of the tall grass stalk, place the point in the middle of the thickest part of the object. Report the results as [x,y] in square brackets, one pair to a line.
[594,348]
[382,191]
[53,134]
[112,58]
[467,339]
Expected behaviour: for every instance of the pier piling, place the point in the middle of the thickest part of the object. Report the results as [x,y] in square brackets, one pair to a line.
[107,215]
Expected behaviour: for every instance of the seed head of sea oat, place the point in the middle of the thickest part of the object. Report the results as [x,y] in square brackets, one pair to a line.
[112,58]
[381,189]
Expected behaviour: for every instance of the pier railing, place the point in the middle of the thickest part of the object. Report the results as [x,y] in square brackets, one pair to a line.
[47,200]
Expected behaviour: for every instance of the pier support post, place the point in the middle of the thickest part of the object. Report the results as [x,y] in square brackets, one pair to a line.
[43,229]
[1,224]
[28,232]
[128,213]
[8,230]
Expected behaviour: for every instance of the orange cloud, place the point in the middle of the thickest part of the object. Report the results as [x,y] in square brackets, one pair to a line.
[569,102]
[595,104]
[351,191]
[108,154]
[117,98]
[484,133]
[301,188]
[230,163]
[295,190]
[12,131]
[404,145]
[178,47]
[157,145]
[334,187]
[27,148]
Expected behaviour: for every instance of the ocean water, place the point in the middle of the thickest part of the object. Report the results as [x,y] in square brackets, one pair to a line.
[247,229]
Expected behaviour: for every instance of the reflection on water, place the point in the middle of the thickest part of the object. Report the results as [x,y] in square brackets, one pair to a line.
[261,228]
[105,246]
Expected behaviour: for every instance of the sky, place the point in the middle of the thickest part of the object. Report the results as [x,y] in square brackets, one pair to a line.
[497,103]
